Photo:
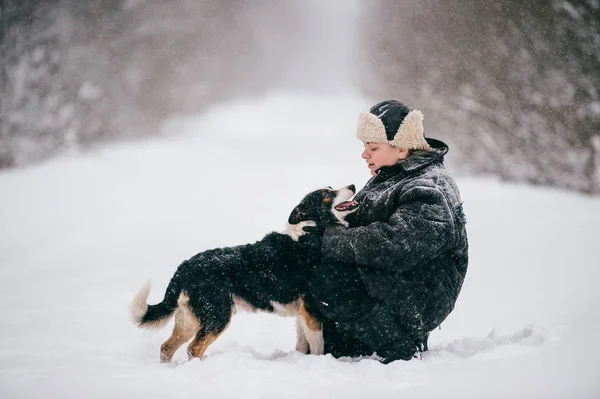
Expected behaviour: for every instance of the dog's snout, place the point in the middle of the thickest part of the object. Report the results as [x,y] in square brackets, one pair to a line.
[351,188]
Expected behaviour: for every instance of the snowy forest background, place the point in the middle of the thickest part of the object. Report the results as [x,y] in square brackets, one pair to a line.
[512,86]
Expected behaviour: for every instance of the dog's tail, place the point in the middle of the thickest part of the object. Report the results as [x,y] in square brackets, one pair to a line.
[154,316]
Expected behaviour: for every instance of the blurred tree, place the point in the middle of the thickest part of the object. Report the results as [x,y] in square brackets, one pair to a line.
[74,72]
[514,85]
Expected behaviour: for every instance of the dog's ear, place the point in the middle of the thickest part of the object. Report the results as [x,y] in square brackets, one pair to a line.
[296,216]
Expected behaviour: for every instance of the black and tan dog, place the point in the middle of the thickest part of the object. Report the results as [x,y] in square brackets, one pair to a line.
[269,275]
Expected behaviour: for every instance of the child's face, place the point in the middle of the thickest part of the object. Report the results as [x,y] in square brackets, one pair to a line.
[382,154]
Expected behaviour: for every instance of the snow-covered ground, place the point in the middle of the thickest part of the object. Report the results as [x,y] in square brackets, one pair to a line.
[80,234]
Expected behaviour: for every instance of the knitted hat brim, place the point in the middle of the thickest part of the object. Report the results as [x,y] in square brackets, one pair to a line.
[409,134]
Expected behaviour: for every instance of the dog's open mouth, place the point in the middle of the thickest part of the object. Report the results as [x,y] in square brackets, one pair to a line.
[346,206]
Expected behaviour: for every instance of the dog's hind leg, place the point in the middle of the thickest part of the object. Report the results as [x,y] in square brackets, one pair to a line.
[313,330]
[186,326]
[202,341]
[215,317]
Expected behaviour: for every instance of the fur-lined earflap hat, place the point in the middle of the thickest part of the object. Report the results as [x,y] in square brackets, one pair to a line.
[394,123]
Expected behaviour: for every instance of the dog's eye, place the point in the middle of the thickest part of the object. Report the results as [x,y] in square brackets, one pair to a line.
[328,196]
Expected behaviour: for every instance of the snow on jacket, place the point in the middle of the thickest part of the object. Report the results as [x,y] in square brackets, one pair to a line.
[408,239]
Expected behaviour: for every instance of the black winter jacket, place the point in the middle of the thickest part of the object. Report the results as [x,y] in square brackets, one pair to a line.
[408,239]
